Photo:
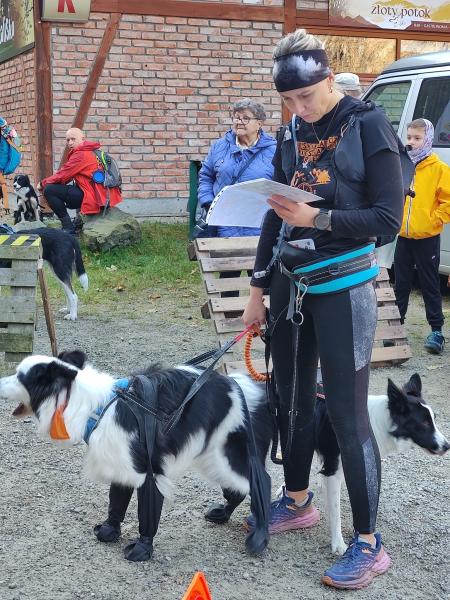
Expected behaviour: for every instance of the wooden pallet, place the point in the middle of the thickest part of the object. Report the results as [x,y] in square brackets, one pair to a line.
[216,255]
[19,255]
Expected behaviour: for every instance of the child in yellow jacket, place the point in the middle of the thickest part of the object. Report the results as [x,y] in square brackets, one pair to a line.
[426,212]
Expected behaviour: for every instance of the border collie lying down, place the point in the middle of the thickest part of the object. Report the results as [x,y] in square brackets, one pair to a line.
[62,252]
[65,396]
[400,420]
[27,200]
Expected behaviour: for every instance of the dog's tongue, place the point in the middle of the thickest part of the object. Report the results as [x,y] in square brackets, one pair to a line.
[58,429]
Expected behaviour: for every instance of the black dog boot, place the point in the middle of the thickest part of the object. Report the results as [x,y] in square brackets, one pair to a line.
[107,532]
[139,550]
[218,513]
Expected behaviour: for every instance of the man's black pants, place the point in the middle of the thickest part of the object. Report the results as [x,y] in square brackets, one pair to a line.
[61,197]
[425,255]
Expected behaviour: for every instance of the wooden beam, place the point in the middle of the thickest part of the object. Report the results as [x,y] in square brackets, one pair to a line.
[44,103]
[199,10]
[94,76]
[289,25]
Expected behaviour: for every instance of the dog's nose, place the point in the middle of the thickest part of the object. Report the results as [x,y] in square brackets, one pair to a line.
[445,447]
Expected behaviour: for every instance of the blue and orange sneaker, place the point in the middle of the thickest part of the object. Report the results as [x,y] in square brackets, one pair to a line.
[285,515]
[358,565]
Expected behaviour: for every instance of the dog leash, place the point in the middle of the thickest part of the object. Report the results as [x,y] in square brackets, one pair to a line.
[215,355]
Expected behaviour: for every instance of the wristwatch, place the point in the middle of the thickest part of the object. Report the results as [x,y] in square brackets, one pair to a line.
[323,219]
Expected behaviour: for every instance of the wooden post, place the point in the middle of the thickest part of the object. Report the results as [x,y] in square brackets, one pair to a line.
[44,100]
[31,137]
[47,310]
[289,25]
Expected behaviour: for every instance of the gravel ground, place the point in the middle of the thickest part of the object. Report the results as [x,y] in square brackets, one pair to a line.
[48,508]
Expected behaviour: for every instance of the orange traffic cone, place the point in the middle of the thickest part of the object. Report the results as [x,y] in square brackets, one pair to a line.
[198,590]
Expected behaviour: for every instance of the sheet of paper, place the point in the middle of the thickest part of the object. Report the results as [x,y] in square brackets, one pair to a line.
[245,204]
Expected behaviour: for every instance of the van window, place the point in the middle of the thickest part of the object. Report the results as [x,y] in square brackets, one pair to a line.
[392,97]
[433,104]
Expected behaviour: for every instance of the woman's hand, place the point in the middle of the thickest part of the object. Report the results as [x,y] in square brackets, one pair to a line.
[255,311]
[298,214]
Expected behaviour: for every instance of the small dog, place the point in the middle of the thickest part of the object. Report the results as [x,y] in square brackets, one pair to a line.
[400,420]
[62,252]
[211,436]
[27,200]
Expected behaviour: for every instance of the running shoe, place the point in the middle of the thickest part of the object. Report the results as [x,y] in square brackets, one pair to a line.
[358,565]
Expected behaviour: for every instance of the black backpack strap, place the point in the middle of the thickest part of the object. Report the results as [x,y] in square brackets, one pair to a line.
[245,166]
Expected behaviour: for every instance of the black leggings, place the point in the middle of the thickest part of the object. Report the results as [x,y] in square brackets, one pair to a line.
[339,328]
[61,197]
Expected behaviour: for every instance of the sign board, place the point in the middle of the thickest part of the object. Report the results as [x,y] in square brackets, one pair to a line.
[411,15]
[16,27]
[68,11]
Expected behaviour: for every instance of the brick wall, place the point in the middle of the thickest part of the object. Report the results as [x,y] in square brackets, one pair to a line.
[165,92]
[17,93]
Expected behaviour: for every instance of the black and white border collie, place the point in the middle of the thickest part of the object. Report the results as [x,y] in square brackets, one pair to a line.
[211,437]
[27,200]
[400,420]
[62,252]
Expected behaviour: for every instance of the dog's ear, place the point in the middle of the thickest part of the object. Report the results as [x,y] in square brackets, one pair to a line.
[397,400]
[413,386]
[56,370]
[73,357]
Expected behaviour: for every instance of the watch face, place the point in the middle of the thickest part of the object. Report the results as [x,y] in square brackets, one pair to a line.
[322,220]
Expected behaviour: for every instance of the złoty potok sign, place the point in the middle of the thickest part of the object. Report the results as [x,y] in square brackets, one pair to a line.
[16,27]
[73,11]
[416,15]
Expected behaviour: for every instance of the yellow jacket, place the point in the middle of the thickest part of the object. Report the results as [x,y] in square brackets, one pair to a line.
[426,213]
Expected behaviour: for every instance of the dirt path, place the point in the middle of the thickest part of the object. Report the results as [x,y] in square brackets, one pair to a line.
[47,509]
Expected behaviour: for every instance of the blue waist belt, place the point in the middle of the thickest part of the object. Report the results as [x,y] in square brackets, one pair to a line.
[335,274]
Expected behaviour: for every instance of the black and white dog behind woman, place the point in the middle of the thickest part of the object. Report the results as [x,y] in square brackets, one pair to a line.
[63,253]
[131,449]
[27,200]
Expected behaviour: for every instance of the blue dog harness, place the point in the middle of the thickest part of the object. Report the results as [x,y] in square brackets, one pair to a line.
[96,416]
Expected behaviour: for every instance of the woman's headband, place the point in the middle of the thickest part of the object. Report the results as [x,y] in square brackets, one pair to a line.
[301,69]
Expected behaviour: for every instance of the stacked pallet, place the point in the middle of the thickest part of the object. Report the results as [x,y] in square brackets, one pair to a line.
[221,255]
[19,255]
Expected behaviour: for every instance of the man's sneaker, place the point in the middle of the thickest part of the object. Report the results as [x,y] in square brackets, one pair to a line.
[435,342]
[286,515]
[358,565]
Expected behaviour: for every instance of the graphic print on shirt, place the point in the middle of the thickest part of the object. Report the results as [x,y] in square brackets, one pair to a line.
[314,166]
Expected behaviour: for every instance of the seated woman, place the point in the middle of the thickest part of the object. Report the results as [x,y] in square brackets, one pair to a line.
[84,195]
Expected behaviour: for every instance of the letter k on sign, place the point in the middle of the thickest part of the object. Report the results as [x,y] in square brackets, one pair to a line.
[62,6]
[69,11]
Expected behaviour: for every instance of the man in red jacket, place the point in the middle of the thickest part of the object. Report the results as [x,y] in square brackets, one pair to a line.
[83,193]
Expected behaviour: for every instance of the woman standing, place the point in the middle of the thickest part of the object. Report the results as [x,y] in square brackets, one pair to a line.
[245,152]
[336,146]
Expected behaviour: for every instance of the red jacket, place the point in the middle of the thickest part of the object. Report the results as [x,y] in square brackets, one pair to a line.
[81,163]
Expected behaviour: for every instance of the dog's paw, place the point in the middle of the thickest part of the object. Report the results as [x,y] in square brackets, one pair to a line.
[107,532]
[70,317]
[217,513]
[139,550]
[338,546]
[64,309]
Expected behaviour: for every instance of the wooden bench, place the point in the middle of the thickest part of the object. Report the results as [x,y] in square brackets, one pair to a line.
[19,256]
[219,255]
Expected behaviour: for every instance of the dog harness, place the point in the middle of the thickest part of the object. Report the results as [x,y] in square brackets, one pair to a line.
[96,416]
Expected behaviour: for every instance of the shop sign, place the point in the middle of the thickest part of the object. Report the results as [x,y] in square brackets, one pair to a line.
[16,27]
[69,11]
[412,15]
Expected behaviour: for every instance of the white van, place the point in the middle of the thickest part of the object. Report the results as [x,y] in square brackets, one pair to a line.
[415,87]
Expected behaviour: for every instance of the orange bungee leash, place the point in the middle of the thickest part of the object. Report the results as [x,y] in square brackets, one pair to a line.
[254,374]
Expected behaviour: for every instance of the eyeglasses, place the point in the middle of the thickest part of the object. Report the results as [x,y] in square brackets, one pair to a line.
[245,120]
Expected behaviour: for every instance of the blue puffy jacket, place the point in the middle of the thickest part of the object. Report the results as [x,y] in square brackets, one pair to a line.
[224,162]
